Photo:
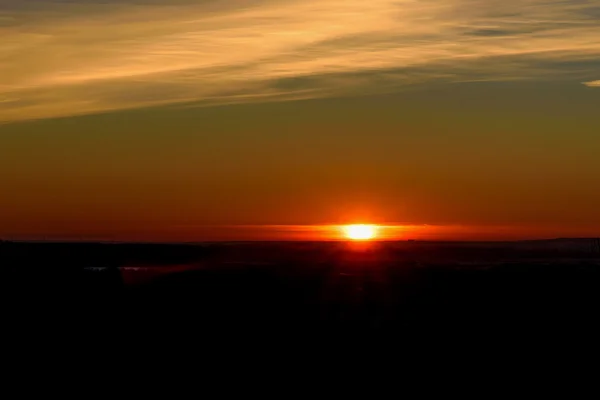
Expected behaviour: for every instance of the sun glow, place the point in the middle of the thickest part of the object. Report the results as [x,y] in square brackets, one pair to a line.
[360,232]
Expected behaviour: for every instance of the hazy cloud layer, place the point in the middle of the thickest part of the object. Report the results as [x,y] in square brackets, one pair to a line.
[73,57]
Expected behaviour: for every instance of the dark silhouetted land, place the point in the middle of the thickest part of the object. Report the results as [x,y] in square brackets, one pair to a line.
[416,287]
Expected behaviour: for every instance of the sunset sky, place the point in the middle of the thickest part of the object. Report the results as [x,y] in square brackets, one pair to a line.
[256,119]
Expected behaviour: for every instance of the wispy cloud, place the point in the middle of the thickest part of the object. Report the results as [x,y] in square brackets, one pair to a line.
[65,58]
[592,84]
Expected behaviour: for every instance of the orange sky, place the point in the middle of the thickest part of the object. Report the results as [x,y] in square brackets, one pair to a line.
[190,121]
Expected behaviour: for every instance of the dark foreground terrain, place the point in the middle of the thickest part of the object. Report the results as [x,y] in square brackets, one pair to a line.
[414,287]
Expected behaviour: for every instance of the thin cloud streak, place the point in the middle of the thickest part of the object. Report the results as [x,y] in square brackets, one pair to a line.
[592,84]
[70,58]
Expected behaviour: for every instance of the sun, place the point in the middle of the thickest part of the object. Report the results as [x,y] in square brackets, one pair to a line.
[360,232]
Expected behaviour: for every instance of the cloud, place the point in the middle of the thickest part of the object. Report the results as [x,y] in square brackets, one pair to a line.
[592,84]
[76,57]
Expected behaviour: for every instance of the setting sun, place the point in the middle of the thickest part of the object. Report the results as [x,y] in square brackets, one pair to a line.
[360,232]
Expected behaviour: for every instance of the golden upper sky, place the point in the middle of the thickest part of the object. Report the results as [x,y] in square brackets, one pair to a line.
[83,56]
